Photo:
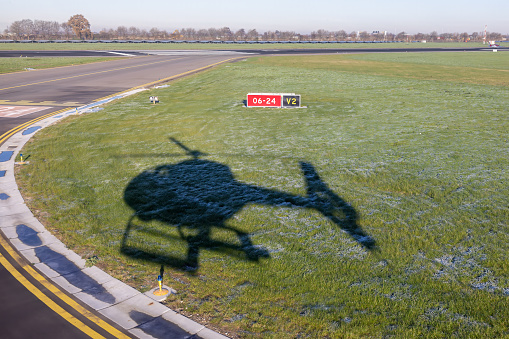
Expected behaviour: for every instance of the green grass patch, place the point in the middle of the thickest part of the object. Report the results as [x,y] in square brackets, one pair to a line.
[378,210]
[9,65]
[478,59]
[471,67]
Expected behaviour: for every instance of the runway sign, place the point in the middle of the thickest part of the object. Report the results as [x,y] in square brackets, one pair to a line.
[280,100]
[263,100]
[17,111]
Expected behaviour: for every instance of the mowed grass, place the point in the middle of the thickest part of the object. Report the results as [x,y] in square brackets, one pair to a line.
[9,65]
[416,158]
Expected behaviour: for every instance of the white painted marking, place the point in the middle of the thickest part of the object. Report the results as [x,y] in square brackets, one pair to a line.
[17,111]
[192,52]
[118,53]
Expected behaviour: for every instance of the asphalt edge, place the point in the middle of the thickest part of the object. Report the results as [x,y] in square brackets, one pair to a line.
[15,213]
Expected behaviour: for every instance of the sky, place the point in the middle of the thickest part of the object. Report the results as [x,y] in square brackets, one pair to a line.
[301,16]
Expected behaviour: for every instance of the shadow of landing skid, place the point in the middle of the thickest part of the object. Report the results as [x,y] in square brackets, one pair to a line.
[200,195]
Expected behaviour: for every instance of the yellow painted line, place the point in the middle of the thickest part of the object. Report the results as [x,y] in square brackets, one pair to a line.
[8,134]
[40,103]
[86,74]
[61,295]
[184,73]
[44,298]
[171,77]
[77,65]
[37,276]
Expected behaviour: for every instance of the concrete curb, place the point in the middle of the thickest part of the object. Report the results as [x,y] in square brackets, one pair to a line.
[139,314]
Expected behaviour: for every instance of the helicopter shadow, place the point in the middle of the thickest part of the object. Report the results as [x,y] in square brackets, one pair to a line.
[200,195]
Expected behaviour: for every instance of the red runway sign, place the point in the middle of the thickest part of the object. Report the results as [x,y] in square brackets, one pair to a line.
[263,100]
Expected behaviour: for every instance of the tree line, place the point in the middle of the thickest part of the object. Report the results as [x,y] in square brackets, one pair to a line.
[78,27]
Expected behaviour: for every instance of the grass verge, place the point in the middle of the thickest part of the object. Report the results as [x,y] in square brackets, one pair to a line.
[380,209]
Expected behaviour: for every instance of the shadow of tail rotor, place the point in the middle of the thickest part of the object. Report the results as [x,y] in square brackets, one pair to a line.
[323,199]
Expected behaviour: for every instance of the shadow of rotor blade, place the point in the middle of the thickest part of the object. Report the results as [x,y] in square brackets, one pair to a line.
[147,155]
[195,154]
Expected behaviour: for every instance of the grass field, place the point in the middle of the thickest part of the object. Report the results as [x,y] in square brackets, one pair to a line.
[159,46]
[9,65]
[378,210]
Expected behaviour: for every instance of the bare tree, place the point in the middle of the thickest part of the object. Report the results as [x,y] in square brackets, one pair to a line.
[16,28]
[433,35]
[165,34]
[321,35]
[214,33]
[133,32]
[23,29]
[67,29]
[202,34]
[46,29]
[464,37]
[122,32]
[54,29]
[188,33]
[106,34]
[112,33]
[492,36]
[226,33]
[364,36]
[340,35]
[154,33]
[252,34]
[40,28]
[420,36]
[143,34]
[240,34]
[287,35]
[270,35]
[401,36]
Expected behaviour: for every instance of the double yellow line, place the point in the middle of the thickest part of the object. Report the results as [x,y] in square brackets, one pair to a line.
[58,293]
[13,131]
[42,280]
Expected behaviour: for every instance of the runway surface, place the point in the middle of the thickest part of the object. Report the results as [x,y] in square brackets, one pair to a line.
[49,90]
[257,51]
[35,54]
